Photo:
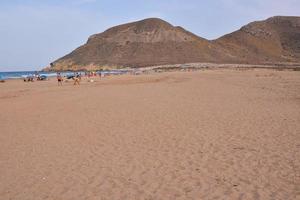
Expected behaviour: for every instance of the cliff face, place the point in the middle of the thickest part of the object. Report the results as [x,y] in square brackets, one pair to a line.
[155,42]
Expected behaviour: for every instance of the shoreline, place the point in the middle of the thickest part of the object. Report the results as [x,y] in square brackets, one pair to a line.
[178,67]
[282,66]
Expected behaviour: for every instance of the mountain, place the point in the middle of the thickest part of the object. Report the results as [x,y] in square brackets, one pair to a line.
[276,39]
[156,42]
[143,43]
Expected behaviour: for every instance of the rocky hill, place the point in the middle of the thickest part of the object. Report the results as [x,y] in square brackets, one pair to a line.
[156,42]
[276,39]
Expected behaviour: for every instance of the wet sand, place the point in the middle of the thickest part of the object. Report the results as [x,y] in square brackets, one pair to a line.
[214,134]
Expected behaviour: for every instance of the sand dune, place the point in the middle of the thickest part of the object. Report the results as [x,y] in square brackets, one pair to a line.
[215,134]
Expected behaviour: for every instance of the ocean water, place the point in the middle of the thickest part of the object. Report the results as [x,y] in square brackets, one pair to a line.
[22,74]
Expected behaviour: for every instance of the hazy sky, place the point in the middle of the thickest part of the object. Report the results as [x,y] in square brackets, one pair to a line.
[34,33]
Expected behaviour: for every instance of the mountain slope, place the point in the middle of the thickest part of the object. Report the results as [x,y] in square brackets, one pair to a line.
[143,43]
[276,39]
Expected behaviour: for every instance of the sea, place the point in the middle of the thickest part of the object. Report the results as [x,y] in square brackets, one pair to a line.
[22,74]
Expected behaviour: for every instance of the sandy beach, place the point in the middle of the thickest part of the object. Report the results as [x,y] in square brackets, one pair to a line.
[210,134]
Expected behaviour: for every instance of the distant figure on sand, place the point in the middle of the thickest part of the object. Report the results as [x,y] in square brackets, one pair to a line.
[59,79]
[1,79]
[77,79]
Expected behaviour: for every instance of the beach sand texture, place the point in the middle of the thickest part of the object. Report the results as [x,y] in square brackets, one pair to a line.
[214,134]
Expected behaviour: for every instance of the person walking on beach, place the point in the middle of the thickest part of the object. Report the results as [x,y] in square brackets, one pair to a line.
[77,79]
[59,79]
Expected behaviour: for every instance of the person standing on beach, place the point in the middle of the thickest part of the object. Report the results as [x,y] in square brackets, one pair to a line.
[59,79]
[77,79]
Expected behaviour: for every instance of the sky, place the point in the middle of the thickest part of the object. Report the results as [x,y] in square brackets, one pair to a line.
[34,33]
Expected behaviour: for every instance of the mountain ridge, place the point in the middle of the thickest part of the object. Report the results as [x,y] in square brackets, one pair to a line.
[154,41]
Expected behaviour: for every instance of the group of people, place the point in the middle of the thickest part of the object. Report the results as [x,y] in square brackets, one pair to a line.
[90,74]
[33,77]
[76,78]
